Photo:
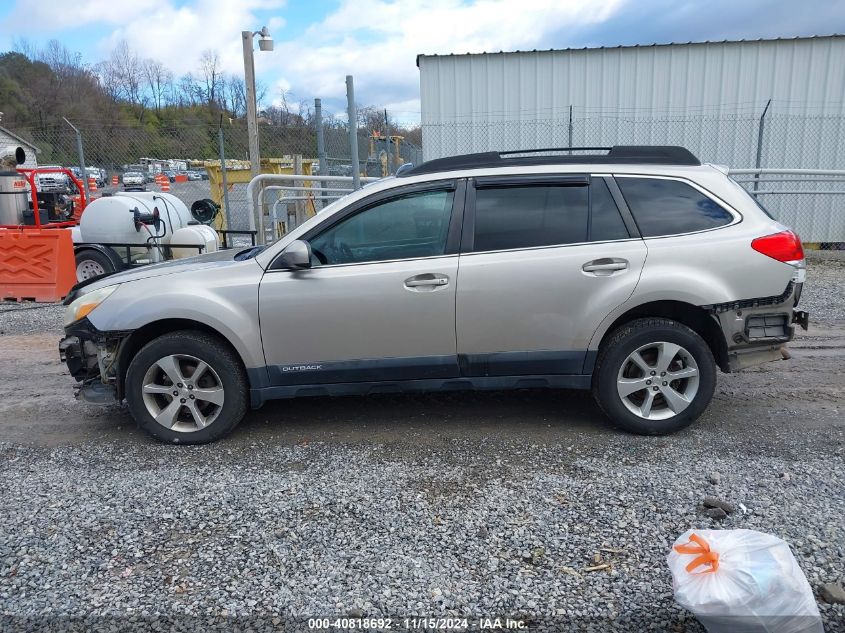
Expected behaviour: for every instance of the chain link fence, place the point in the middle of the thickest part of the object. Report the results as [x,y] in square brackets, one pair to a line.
[190,157]
[814,206]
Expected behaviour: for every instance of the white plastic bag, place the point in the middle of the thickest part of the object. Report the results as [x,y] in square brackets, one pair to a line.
[742,581]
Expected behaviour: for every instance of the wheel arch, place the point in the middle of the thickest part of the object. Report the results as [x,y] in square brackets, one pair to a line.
[115,259]
[694,317]
[132,344]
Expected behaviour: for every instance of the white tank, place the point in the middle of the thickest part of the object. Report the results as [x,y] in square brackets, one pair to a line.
[110,219]
[197,234]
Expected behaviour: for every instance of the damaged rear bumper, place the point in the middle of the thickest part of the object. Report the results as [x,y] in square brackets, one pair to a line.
[91,358]
[757,330]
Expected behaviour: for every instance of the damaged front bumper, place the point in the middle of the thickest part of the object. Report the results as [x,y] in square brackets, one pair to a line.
[92,359]
[757,330]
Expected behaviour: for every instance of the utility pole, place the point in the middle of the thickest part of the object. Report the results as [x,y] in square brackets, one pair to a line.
[353,132]
[226,208]
[83,171]
[251,106]
[387,143]
[321,148]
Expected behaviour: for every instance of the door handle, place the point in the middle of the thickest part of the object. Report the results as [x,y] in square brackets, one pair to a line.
[427,279]
[605,266]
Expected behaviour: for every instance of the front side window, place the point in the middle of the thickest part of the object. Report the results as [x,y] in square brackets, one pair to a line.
[413,225]
[669,207]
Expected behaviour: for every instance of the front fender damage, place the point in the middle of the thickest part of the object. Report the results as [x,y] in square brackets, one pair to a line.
[92,359]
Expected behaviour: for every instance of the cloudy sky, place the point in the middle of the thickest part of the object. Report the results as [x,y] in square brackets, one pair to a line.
[318,42]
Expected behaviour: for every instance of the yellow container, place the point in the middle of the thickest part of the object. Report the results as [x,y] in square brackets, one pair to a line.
[238,172]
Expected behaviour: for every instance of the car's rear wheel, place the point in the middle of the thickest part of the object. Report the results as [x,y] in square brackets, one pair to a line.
[186,387]
[654,376]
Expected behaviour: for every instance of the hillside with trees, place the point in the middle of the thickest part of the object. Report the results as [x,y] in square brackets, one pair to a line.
[128,106]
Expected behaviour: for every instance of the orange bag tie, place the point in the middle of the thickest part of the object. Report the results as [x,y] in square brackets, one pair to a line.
[697,545]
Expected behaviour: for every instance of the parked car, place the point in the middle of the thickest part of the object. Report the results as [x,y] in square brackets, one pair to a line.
[134,180]
[203,173]
[149,177]
[171,175]
[53,181]
[97,175]
[635,274]
[193,175]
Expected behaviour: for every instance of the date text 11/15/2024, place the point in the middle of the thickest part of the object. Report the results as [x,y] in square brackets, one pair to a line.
[418,623]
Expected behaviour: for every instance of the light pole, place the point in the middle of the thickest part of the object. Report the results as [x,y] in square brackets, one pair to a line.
[265,44]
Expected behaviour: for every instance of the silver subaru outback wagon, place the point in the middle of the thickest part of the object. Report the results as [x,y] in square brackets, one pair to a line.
[636,273]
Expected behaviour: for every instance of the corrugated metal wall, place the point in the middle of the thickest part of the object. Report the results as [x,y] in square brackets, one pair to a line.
[706,96]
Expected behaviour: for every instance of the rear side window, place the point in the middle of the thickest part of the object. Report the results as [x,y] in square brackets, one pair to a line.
[526,216]
[522,217]
[668,207]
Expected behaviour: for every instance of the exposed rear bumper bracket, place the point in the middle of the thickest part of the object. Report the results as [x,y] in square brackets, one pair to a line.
[802,318]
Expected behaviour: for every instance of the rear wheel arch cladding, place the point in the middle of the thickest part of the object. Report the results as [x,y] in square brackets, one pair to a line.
[698,319]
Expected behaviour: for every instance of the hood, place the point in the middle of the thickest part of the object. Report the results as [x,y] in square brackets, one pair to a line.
[209,260]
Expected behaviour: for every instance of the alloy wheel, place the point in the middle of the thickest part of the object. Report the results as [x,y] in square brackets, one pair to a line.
[182,393]
[658,381]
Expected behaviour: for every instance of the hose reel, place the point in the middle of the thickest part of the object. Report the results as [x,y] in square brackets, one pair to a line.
[205,210]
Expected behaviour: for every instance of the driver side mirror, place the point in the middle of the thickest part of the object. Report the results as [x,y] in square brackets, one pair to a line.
[296,256]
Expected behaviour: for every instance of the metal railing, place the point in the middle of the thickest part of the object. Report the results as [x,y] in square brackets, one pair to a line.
[808,200]
[311,186]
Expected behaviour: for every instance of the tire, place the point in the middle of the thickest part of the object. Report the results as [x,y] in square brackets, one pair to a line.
[224,384]
[669,405]
[92,263]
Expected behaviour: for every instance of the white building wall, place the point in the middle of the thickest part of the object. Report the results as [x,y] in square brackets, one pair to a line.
[706,96]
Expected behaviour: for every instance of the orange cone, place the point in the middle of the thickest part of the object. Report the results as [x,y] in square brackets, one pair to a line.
[114,181]
[92,184]
[165,184]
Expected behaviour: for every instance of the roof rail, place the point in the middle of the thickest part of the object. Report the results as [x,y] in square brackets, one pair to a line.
[618,154]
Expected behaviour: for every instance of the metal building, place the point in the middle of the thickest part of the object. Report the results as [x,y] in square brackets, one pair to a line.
[770,103]
[521,99]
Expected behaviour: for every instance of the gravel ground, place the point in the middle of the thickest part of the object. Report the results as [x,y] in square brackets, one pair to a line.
[471,505]
[193,535]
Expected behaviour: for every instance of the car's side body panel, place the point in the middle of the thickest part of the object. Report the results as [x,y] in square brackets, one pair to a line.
[227,303]
[538,305]
[354,322]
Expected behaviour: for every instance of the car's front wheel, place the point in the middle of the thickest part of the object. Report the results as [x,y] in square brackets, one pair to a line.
[186,387]
[654,376]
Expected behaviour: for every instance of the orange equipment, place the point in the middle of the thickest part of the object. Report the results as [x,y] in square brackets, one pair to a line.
[37,261]
[36,264]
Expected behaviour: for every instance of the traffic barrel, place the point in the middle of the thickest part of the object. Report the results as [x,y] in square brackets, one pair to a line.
[114,181]
[165,184]
[92,183]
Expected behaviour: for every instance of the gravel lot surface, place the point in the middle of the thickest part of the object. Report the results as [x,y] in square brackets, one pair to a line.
[489,504]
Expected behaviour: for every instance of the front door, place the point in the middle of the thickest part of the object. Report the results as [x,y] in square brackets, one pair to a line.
[379,301]
[544,260]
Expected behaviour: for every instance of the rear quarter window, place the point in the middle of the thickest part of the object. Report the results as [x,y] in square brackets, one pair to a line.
[669,207]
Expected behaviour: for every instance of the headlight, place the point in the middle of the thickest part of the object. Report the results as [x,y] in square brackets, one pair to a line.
[82,306]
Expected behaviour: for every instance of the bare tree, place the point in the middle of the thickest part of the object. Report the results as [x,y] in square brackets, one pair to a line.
[189,93]
[158,80]
[234,89]
[210,73]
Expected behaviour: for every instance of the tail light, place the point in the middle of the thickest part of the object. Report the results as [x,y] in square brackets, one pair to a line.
[784,246]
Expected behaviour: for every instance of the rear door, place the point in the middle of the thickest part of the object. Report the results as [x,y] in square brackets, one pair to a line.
[543,261]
